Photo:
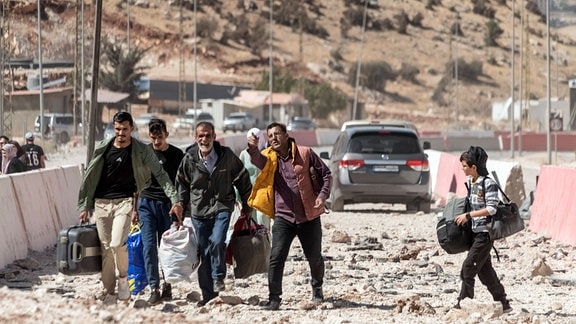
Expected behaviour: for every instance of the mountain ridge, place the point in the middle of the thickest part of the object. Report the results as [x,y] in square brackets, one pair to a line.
[429,48]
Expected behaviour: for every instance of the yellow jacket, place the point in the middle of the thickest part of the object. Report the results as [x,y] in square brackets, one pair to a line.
[262,195]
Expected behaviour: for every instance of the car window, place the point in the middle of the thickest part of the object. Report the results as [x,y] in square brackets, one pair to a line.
[339,145]
[384,144]
[65,120]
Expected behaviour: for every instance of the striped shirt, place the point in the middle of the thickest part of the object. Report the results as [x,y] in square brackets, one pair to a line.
[480,200]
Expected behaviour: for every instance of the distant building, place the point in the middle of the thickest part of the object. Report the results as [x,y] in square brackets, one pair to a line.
[284,105]
[164,95]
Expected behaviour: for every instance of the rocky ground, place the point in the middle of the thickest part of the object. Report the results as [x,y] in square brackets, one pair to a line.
[383,265]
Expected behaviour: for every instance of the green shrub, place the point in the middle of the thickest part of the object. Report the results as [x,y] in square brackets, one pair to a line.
[373,75]
[409,72]
[323,99]
[206,27]
[402,22]
[493,32]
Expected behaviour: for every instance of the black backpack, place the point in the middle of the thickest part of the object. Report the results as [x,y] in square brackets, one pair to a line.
[507,220]
[454,238]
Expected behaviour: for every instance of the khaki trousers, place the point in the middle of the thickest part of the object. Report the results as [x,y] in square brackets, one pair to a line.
[113,219]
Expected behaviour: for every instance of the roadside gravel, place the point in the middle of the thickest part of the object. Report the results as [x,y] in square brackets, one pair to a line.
[383,265]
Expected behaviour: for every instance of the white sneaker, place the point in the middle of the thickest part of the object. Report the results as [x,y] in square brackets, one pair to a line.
[123,290]
[109,299]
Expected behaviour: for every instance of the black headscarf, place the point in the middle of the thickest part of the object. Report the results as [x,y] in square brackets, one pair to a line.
[478,157]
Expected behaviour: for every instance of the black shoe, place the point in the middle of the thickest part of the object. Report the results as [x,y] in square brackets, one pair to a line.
[154,297]
[202,302]
[317,295]
[205,301]
[457,306]
[166,291]
[272,305]
[506,306]
[219,285]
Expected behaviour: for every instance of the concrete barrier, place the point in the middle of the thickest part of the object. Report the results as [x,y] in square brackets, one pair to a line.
[510,178]
[39,217]
[62,186]
[326,136]
[434,162]
[13,238]
[304,137]
[559,141]
[450,178]
[554,208]
[451,143]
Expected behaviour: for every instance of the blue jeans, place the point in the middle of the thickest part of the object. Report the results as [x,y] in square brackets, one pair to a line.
[154,220]
[211,233]
[310,236]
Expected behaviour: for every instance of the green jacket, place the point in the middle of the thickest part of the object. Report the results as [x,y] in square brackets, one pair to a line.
[144,164]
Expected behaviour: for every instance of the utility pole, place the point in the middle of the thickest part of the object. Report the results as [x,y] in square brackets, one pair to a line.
[359,66]
[270,62]
[41,75]
[182,71]
[6,120]
[456,99]
[128,41]
[94,85]
[548,108]
[83,78]
[512,82]
[195,93]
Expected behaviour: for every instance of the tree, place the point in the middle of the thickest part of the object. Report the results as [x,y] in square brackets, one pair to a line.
[493,32]
[323,99]
[280,82]
[120,67]
[373,75]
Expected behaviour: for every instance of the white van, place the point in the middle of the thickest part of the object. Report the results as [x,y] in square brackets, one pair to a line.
[59,127]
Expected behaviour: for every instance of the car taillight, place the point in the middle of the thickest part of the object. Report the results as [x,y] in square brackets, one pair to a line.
[419,165]
[350,164]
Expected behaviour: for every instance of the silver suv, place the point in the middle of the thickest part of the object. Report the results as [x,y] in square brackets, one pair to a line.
[59,127]
[379,165]
[239,121]
[187,123]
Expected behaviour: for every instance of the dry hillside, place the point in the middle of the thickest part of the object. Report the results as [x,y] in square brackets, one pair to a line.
[429,48]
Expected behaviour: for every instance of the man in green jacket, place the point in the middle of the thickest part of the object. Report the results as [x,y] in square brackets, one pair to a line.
[120,168]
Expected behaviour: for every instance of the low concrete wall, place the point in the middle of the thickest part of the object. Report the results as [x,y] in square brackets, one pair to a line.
[36,205]
[554,208]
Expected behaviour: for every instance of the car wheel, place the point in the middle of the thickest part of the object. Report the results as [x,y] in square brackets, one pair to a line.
[412,207]
[424,206]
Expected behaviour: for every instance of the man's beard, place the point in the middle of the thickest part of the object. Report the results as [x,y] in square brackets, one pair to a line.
[205,148]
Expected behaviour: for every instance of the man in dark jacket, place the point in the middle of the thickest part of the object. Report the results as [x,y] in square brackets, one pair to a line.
[206,179]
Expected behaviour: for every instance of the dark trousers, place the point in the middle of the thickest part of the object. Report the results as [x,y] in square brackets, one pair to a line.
[478,262]
[154,221]
[310,236]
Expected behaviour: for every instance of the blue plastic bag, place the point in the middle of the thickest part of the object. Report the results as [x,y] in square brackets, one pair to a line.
[136,271]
